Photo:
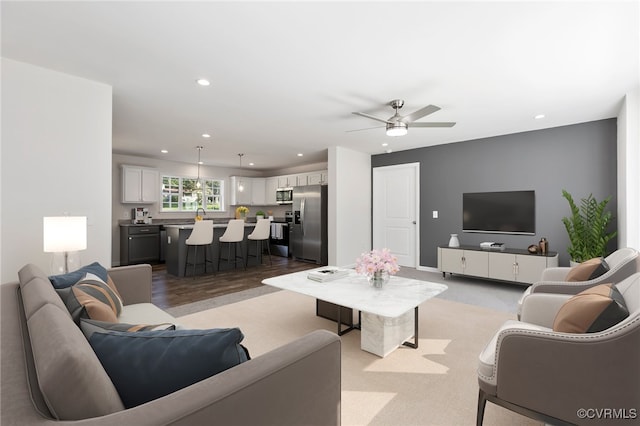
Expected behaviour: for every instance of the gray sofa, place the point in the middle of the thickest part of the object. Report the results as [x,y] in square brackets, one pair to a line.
[49,367]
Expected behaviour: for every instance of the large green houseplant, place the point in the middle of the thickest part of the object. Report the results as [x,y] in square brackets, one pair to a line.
[587,228]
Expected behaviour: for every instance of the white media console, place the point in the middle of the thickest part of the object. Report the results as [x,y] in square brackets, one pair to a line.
[506,264]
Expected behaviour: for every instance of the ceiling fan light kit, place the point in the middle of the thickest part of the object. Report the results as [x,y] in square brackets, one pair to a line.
[396,129]
[397,125]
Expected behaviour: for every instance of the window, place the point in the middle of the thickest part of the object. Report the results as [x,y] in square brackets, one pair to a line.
[182,194]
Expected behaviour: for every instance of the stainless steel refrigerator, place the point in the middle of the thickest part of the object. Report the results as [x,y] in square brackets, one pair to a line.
[309,227]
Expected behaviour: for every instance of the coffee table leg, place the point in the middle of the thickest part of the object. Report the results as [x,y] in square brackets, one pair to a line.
[342,331]
[414,345]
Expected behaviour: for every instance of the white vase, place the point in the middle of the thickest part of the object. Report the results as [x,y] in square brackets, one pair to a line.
[453,241]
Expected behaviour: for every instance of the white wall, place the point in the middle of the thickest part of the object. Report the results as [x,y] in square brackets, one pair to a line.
[56,159]
[349,222]
[628,215]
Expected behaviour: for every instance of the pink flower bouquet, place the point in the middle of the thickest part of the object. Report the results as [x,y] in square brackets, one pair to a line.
[377,261]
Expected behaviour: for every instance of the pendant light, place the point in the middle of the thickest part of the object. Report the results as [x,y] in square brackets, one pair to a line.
[198,183]
[240,184]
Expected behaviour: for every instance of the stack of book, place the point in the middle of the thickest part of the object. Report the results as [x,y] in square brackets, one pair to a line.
[328,274]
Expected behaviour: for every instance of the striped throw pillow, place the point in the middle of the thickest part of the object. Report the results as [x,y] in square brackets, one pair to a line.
[92,298]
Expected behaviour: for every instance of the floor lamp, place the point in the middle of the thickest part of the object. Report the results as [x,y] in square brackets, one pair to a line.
[64,236]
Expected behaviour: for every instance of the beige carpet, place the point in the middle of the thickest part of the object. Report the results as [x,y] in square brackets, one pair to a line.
[433,385]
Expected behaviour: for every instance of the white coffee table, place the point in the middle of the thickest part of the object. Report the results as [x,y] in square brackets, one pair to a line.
[388,316]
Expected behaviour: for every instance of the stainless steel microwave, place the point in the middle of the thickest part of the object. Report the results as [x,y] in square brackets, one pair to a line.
[284,195]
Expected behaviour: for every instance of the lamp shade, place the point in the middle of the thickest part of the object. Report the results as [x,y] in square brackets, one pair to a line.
[64,233]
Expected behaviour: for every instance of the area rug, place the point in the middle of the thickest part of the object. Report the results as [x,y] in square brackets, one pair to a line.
[435,384]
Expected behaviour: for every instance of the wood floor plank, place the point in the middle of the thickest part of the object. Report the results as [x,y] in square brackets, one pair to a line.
[169,291]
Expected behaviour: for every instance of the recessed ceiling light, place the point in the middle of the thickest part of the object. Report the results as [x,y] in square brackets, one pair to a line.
[206,135]
[203,82]
[539,116]
[251,164]
[389,151]
[164,151]
[300,154]
[200,162]
[385,144]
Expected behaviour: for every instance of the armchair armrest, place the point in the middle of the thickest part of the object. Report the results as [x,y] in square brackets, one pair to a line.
[541,308]
[133,283]
[560,373]
[558,273]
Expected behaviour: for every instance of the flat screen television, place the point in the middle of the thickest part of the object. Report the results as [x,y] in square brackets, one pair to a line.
[506,212]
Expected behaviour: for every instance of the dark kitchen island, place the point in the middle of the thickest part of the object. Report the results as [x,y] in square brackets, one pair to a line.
[176,252]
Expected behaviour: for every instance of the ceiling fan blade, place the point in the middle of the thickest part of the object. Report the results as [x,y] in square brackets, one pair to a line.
[429,109]
[432,124]
[371,117]
[368,128]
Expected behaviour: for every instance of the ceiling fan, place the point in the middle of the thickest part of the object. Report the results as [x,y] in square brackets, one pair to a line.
[397,124]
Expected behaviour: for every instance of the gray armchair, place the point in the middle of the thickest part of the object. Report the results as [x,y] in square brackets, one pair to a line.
[622,263]
[564,378]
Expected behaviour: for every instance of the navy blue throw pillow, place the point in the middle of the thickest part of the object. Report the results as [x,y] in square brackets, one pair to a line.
[146,365]
[69,279]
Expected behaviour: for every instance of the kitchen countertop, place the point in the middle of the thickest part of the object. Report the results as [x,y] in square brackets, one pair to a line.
[190,225]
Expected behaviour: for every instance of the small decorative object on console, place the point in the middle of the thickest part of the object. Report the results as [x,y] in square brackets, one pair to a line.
[377,265]
[543,245]
[533,248]
[453,241]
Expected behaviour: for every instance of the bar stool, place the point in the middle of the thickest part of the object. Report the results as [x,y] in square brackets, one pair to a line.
[260,235]
[233,235]
[201,236]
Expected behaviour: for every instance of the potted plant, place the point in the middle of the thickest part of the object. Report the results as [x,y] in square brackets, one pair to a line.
[259,215]
[241,212]
[587,228]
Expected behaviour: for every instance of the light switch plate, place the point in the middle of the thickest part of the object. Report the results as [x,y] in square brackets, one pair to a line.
[435,214]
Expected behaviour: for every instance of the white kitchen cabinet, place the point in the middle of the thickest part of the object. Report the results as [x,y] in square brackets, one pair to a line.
[287,181]
[301,180]
[140,185]
[258,194]
[244,196]
[317,178]
[507,265]
[270,188]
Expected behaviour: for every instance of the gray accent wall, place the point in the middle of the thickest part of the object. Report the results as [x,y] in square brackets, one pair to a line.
[580,158]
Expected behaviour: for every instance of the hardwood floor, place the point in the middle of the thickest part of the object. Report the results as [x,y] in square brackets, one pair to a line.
[170,291]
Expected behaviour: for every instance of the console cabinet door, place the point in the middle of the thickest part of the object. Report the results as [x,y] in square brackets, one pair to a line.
[502,266]
[529,269]
[476,263]
[451,260]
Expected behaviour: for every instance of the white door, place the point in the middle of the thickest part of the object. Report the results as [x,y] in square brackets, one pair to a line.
[395,211]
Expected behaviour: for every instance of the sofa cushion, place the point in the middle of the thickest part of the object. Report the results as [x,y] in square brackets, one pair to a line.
[89,327]
[70,377]
[69,279]
[91,297]
[591,310]
[145,313]
[588,270]
[150,364]
[36,290]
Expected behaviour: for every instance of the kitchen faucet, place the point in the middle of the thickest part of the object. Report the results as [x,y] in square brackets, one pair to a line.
[204,213]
